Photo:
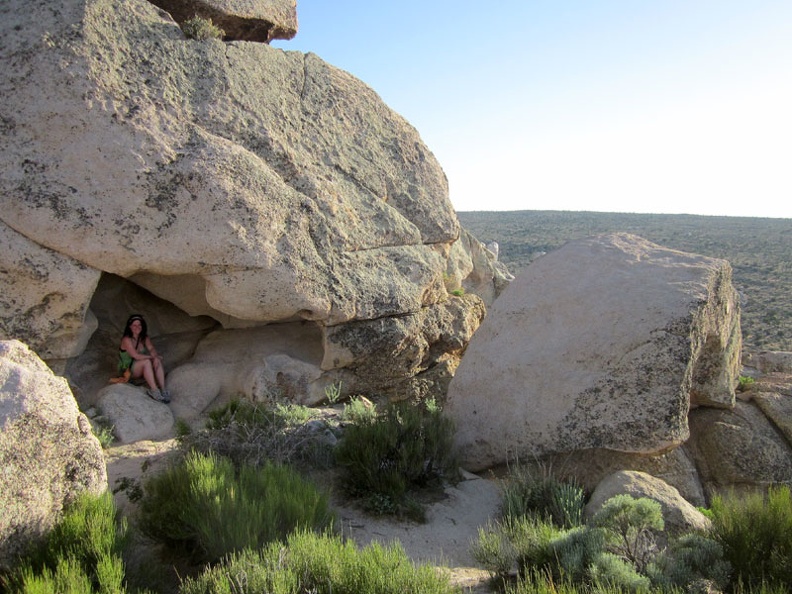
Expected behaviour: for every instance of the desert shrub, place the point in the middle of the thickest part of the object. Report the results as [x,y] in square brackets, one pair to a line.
[403,449]
[205,507]
[358,410]
[745,383]
[541,582]
[692,563]
[524,544]
[253,434]
[609,571]
[494,551]
[81,554]
[333,392]
[580,555]
[629,524]
[755,531]
[610,552]
[201,29]
[104,433]
[182,429]
[320,564]
[540,493]
[761,588]
[68,577]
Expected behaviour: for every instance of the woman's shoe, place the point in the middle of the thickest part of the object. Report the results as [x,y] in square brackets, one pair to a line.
[155,395]
[166,396]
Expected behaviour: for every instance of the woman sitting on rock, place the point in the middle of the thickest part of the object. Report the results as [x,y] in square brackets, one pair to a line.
[138,355]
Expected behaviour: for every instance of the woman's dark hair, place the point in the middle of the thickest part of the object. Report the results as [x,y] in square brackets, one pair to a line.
[143,330]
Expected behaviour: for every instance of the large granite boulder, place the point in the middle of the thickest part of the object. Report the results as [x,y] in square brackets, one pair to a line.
[238,182]
[605,343]
[48,453]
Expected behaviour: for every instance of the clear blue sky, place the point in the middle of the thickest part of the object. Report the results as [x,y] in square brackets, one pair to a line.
[675,106]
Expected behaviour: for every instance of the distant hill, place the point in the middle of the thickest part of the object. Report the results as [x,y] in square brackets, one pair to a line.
[759,249]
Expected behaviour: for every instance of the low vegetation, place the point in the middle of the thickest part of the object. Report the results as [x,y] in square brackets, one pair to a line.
[759,250]
[81,555]
[755,531]
[321,564]
[386,458]
[253,434]
[234,527]
[201,29]
[531,550]
[207,508]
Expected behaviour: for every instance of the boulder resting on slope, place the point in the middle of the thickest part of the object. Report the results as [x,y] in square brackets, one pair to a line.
[605,343]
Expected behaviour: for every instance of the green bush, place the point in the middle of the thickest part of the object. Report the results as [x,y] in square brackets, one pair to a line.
[82,553]
[495,551]
[254,434]
[542,582]
[630,524]
[205,507]
[755,531]
[529,493]
[104,433]
[406,448]
[319,564]
[745,383]
[522,543]
[691,563]
[201,29]
[359,410]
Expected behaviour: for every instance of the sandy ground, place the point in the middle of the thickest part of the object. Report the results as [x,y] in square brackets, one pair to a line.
[443,540]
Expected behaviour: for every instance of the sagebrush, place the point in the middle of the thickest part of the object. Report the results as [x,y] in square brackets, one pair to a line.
[207,508]
[321,564]
[405,448]
[201,29]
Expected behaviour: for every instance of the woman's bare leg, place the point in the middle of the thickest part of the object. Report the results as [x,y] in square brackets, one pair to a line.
[144,369]
[159,373]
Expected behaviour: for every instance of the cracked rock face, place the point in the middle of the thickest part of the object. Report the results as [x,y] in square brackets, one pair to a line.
[605,343]
[233,180]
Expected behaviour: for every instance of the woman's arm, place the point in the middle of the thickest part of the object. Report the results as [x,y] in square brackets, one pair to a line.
[152,351]
[128,345]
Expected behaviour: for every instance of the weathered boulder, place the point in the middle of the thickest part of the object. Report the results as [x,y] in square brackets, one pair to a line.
[234,180]
[298,361]
[244,20]
[738,449]
[45,294]
[590,467]
[679,515]
[133,415]
[241,184]
[473,267]
[381,356]
[273,362]
[777,407]
[605,343]
[48,453]
[770,361]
